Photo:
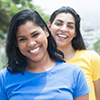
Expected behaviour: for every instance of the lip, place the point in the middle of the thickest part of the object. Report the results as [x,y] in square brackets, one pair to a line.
[62,36]
[34,51]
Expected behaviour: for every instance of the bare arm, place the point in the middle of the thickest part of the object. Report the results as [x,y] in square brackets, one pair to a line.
[97,89]
[84,97]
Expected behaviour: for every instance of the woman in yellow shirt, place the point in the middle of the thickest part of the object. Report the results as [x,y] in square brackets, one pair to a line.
[64,25]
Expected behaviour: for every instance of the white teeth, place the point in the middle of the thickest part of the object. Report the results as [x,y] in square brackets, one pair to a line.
[63,36]
[35,50]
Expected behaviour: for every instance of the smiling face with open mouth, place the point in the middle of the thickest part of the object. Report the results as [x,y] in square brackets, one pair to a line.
[63,29]
[32,41]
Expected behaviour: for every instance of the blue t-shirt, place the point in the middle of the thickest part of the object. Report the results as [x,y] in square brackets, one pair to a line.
[62,82]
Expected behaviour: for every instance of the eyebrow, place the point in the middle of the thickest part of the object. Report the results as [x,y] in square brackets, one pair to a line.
[68,22]
[71,23]
[33,32]
[24,36]
[59,20]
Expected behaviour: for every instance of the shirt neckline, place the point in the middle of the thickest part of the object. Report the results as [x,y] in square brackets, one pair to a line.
[73,56]
[27,72]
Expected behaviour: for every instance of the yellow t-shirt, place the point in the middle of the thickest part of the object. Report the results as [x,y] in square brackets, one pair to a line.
[89,61]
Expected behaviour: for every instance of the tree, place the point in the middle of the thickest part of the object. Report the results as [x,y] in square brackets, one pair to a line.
[97,46]
[9,7]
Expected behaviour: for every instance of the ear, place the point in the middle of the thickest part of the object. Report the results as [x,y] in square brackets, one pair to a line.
[49,25]
[46,31]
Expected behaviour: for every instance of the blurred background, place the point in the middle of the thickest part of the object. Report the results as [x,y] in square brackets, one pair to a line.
[89,11]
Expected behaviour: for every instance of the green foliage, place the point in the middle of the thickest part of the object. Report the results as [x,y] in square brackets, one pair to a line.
[9,7]
[3,60]
[44,16]
[97,46]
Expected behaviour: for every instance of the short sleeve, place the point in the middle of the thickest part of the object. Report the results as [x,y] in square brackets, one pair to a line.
[81,87]
[95,61]
[2,91]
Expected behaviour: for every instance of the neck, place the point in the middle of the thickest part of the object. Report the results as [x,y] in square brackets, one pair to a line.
[41,66]
[68,51]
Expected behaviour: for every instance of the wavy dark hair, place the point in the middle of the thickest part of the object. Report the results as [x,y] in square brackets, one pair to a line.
[77,42]
[16,60]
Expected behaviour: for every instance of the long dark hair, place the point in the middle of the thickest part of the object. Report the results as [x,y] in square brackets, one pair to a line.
[77,42]
[16,60]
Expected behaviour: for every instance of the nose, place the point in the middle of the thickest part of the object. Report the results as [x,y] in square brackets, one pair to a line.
[64,28]
[31,43]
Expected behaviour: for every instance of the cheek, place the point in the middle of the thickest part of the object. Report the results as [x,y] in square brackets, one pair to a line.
[53,28]
[73,33]
[21,47]
[44,42]
[53,31]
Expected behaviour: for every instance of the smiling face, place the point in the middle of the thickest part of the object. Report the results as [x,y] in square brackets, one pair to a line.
[32,41]
[63,29]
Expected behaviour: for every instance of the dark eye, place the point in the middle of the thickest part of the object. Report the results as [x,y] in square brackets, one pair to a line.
[36,34]
[23,39]
[58,24]
[71,27]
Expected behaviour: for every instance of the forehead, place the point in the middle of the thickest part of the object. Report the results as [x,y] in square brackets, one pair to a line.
[28,27]
[65,16]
